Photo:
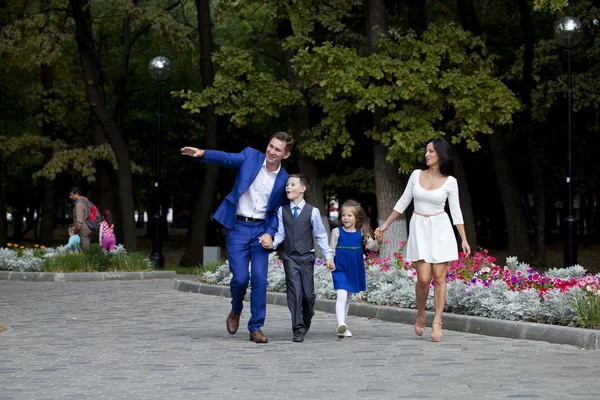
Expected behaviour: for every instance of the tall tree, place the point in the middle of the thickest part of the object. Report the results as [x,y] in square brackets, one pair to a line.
[526,123]
[303,114]
[388,185]
[518,240]
[48,186]
[194,254]
[96,96]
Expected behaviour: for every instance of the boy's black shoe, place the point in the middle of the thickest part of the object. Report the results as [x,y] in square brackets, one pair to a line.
[306,326]
[299,336]
[307,323]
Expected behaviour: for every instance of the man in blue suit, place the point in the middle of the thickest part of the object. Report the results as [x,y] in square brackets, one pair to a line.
[249,214]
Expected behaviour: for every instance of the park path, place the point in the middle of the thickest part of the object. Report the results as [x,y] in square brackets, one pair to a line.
[144,340]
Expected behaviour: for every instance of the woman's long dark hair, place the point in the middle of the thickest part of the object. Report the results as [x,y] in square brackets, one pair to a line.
[444,152]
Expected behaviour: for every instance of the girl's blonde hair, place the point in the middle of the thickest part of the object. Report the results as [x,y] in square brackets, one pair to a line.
[362,220]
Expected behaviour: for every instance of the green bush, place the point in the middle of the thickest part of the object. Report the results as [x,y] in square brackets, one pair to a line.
[587,306]
[94,259]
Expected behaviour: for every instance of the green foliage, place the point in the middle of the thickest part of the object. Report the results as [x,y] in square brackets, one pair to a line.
[33,144]
[94,259]
[68,262]
[442,84]
[361,180]
[82,161]
[550,5]
[587,306]
[241,91]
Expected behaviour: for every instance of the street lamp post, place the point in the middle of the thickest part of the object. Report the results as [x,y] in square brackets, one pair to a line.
[568,32]
[159,69]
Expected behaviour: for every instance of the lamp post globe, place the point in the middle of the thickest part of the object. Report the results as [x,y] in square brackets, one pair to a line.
[159,69]
[568,33]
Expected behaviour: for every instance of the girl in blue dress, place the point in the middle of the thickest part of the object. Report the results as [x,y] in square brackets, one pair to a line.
[347,243]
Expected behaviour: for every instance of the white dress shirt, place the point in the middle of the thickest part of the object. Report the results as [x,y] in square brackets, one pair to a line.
[319,231]
[253,203]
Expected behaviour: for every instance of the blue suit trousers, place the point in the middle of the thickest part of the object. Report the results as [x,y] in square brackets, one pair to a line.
[243,247]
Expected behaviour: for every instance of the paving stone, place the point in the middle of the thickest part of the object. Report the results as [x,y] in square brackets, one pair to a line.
[144,340]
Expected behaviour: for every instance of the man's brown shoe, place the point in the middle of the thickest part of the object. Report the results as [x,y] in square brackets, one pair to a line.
[258,337]
[233,323]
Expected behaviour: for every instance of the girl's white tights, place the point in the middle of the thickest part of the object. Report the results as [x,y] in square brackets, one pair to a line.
[342,305]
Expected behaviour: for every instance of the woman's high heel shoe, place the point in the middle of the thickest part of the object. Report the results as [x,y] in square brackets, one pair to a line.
[436,334]
[419,330]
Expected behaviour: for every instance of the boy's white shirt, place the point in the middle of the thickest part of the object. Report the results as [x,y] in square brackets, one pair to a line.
[319,231]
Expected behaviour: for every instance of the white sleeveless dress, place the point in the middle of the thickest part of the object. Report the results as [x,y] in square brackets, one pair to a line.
[431,238]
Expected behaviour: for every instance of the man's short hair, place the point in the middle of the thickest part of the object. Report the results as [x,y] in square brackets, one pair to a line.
[286,138]
[76,191]
[304,181]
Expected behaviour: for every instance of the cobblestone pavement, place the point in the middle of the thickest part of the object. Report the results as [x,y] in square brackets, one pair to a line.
[144,340]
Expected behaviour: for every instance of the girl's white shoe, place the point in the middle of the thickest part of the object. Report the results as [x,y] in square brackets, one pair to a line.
[343,331]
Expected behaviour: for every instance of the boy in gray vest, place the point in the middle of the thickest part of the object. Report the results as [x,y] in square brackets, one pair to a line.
[298,223]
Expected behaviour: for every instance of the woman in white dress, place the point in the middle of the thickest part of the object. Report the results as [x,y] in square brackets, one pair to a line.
[431,241]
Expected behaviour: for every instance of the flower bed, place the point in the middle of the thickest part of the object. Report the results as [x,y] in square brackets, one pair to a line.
[475,286]
[58,259]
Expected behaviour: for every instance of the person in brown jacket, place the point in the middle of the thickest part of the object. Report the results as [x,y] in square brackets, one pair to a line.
[80,213]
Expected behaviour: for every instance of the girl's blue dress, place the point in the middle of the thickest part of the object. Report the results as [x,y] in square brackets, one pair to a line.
[349,271]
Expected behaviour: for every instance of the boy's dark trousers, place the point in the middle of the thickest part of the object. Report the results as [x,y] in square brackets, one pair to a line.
[299,279]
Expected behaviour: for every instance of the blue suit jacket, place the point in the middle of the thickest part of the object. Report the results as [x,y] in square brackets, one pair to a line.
[249,162]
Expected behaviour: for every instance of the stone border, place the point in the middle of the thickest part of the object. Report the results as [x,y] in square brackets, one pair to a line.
[84,276]
[588,339]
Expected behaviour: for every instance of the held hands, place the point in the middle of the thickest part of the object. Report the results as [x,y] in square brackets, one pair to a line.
[266,241]
[192,152]
[466,248]
[379,231]
[378,235]
[330,265]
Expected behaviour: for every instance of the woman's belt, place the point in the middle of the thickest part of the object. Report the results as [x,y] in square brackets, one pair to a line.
[428,215]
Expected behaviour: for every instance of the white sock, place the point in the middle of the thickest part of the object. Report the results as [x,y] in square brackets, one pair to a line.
[341,307]
[347,306]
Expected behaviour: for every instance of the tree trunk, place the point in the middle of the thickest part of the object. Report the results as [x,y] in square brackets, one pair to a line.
[388,186]
[92,75]
[518,241]
[465,200]
[3,221]
[591,208]
[48,186]
[302,124]
[468,17]
[104,190]
[194,254]
[539,198]
[17,222]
